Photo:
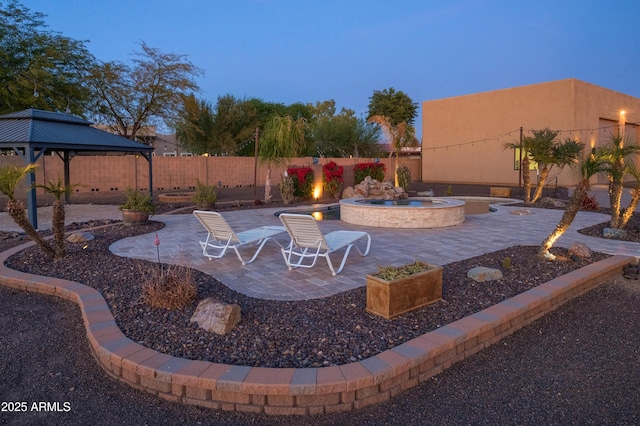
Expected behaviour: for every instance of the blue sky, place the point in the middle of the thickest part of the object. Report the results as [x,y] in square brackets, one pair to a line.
[312,50]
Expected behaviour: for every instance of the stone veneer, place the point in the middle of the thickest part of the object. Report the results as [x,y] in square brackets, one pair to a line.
[305,391]
[441,213]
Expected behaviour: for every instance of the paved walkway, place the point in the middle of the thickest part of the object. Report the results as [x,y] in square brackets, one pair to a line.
[268,277]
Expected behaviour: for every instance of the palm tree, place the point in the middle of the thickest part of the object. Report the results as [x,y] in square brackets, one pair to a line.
[9,178]
[588,168]
[400,135]
[58,189]
[282,139]
[559,154]
[627,213]
[617,157]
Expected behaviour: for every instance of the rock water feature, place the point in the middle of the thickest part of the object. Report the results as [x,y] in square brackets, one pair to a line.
[381,204]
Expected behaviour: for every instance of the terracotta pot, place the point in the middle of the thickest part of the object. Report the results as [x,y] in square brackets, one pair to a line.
[133,217]
[392,298]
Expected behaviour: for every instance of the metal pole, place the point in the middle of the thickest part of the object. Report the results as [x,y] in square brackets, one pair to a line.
[520,160]
[255,166]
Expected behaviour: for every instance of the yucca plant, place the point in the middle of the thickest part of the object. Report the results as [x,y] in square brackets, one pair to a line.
[588,168]
[10,176]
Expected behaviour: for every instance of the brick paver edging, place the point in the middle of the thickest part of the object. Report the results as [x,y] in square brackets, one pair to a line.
[306,391]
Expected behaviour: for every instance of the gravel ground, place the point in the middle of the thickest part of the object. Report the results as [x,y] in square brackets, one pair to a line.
[574,366]
[551,371]
[333,330]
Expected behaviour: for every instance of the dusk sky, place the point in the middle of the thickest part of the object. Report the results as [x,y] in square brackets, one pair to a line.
[306,51]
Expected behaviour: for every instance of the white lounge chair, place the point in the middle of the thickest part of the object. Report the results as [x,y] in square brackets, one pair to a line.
[221,237]
[307,242]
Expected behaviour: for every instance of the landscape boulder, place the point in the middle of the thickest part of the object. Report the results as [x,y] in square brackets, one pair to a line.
[482,273]
[80,237]
[580,249]
[216,316]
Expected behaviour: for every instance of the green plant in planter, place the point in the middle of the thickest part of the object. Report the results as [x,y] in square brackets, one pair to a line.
[138,201]
[390,273]
[205,196]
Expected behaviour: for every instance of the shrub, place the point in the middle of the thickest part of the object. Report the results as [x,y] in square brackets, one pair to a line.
[205,195]
[302,181]
[362,170]
[590,203]
[390,273]
[173,288]
[404,177]
[138,201]
[332,178]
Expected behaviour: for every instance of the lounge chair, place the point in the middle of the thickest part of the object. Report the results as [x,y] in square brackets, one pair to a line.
[307,242]
[221,237]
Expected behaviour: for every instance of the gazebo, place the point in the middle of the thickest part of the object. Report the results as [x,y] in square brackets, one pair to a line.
[32,132]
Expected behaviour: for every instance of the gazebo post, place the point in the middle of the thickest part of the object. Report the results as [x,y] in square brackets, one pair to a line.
[67,180]
[32,206]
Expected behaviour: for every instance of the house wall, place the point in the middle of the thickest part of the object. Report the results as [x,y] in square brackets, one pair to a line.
[116,173]
[464,137]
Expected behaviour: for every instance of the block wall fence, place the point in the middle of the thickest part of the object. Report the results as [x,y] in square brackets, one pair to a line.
[116,173]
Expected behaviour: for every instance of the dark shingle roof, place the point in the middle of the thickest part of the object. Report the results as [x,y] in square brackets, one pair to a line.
[58,131]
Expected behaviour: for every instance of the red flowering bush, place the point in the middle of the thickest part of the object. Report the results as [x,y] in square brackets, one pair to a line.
[362,170]
[332,178]
[302,181]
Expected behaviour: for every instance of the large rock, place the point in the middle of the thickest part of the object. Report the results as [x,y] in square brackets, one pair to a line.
[482,273]
[80,237]
[580,249]
[614,233]
[216,316]
[348,192]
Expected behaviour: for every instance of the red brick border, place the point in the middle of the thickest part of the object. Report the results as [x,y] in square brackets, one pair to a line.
[306,391]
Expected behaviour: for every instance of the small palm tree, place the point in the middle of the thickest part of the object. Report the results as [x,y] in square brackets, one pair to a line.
[617,157]
[400,135]
[588,168]
[282,139]
[58,189]
[10,176]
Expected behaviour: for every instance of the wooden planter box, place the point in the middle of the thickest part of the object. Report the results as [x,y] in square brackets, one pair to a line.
[392,298]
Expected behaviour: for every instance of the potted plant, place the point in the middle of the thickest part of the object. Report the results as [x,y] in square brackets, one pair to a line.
[138,207]
[395,290]
[205,196]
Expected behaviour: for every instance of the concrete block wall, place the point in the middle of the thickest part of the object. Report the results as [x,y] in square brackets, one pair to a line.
[116,173]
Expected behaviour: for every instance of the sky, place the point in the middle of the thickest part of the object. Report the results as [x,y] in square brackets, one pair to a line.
[314,50]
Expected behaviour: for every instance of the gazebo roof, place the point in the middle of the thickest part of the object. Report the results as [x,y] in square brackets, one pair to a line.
[60,132]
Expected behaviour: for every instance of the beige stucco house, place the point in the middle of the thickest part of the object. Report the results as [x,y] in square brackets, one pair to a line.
[464,137]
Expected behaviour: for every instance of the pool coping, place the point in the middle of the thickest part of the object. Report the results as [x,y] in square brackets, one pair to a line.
[305,391]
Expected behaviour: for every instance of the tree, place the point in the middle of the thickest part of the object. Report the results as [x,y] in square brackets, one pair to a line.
[617,157]
[341,135]
[545,150]
[194,125]
[588,168]
[234,125]
[396,106]
[10,176]
[395,113]
[399,135]
[282,139]
[148,93]
[40,68]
